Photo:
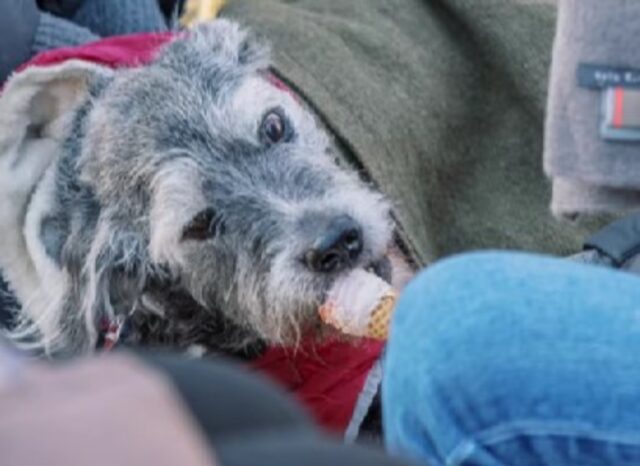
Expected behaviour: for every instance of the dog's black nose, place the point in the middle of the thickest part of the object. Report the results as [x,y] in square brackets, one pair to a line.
[338,248]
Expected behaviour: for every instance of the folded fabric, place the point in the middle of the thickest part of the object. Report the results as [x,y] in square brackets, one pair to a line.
[590,151]
[440,103]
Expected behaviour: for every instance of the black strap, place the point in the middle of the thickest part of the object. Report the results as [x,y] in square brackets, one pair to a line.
[619,240]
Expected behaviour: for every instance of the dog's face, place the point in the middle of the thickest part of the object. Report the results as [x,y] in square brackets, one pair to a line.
[216,179]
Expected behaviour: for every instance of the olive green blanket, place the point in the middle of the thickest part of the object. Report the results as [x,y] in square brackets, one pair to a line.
[441,102]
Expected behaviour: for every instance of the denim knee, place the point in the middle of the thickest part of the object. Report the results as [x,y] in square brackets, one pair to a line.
[444,357]
[483,343]
[446,297]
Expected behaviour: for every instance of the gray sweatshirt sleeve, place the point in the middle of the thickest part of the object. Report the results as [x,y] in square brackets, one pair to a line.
[18,24]
[593,116]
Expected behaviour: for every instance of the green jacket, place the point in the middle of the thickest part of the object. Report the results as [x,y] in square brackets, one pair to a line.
[441,102]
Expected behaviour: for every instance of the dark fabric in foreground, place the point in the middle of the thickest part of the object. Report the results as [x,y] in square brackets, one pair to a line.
[227,401]
[249,422]
[441,101]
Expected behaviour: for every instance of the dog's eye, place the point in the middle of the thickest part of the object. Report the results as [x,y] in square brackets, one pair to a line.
[275,127]
[203,226]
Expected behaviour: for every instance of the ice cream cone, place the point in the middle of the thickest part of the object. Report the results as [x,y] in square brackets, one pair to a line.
[360,304]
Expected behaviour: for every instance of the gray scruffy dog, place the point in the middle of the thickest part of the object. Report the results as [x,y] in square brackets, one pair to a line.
[190,195]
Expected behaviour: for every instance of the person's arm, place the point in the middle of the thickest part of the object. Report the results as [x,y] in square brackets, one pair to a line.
[593,115]
[18,23]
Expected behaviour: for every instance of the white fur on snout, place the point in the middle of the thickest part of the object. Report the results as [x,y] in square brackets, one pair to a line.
[176,198]
[369,209]
[282,301]
[292,299]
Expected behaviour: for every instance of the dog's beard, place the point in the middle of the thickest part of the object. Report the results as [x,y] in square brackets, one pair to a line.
[284,310]
[279,307]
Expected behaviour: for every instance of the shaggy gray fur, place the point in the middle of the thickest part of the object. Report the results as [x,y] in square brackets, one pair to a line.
[153,150]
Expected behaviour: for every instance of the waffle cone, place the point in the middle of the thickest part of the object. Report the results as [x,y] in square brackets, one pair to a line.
[360,304]
[380,320]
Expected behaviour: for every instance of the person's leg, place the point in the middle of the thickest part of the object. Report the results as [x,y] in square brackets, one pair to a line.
[503,359]
[117,17]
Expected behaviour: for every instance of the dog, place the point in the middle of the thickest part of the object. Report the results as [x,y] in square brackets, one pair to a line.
[190,198]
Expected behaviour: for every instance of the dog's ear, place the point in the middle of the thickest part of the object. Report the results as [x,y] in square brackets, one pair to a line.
[220,47]
[35,102]
[36,107]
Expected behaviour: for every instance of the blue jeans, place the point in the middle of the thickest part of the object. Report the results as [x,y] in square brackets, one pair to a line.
[512,359]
